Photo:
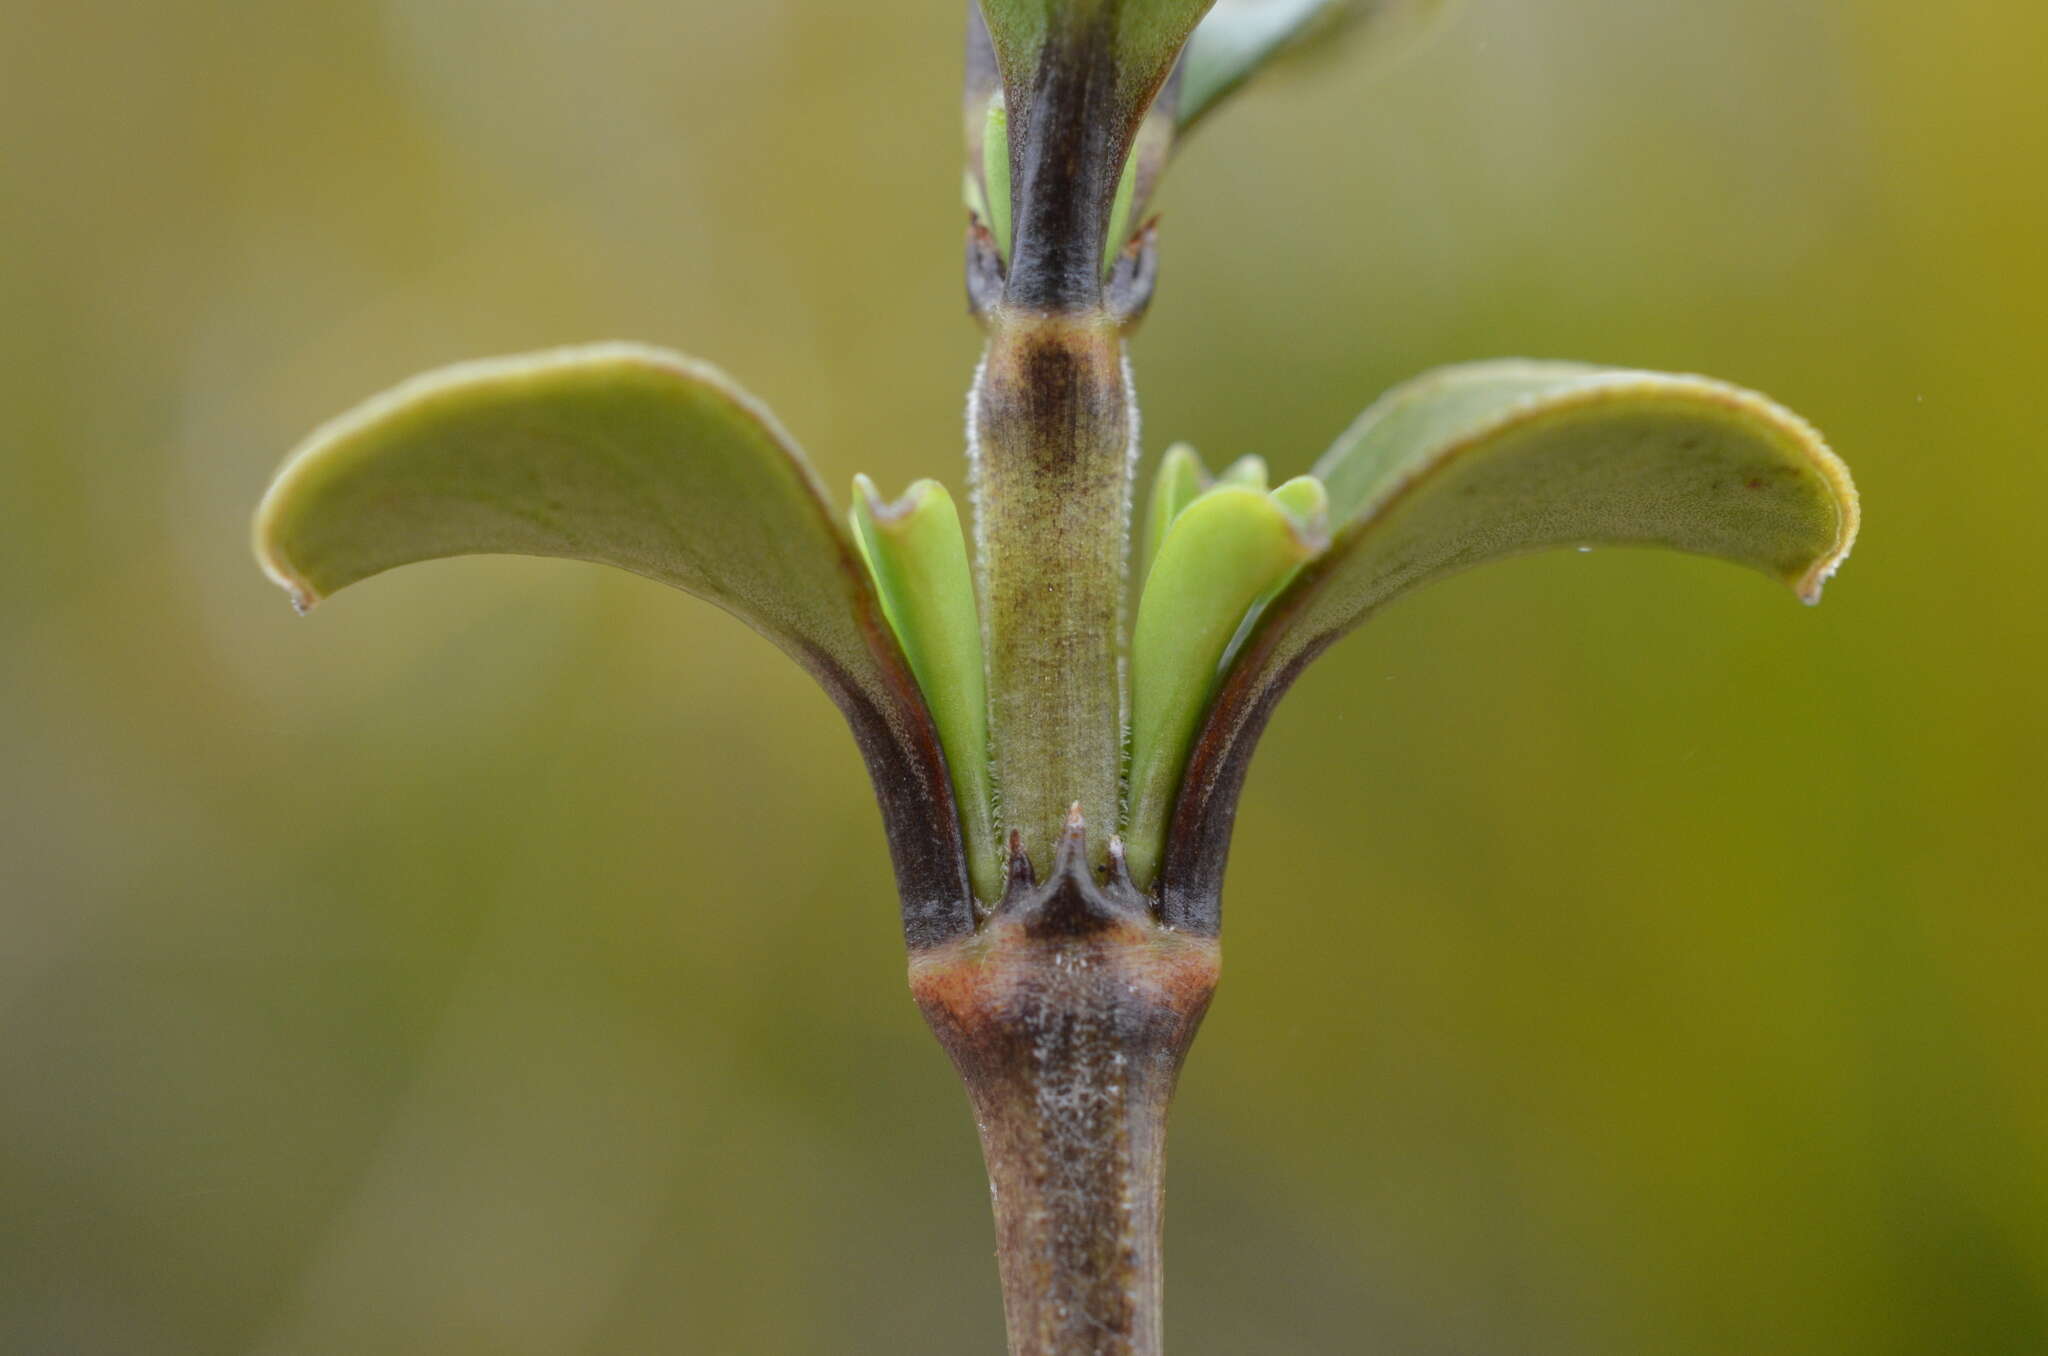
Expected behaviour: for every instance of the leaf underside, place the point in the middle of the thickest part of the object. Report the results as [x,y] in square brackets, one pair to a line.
[1492,460]
[654,463]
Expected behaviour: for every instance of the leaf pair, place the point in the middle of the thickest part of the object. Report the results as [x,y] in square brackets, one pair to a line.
[632,457]
[655,463]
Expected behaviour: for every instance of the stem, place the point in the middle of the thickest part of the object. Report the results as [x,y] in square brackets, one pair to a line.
[1068,1017]
[1052,430]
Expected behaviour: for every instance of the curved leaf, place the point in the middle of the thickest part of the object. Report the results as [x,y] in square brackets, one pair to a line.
[649,461]
[1493,460]
[1178,482]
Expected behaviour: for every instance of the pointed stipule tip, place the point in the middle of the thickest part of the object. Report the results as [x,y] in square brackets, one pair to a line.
[1119,869]
[1072,851]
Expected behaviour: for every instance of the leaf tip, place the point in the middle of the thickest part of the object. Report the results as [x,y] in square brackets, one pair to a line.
[1181,462]
[1841,489]
[1809,584]
[270,558]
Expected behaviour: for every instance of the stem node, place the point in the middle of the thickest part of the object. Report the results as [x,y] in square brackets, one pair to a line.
[1068,1017]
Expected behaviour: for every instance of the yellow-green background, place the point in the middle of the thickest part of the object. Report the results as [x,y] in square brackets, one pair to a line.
[1622,958]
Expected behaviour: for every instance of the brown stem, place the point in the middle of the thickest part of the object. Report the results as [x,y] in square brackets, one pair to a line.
[1068,1016]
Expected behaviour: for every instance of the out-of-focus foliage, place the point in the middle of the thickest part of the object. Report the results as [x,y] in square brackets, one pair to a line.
[503,960]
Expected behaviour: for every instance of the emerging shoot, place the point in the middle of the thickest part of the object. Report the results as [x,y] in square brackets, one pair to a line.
[1005,699]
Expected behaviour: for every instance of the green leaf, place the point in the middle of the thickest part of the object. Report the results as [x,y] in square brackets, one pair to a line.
[1422,415]
[1223,554]
[1240,36]
[918,553]
[1181,477]
[1307,503]
[621,455]
[649,461]
[1308,499]
[1495,459]
[1492,460]
[1248,471]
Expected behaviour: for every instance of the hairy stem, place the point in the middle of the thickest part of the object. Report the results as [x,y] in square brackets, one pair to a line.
[1052,431]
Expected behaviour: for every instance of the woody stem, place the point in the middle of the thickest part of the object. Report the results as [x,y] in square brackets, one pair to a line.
[1068,1020]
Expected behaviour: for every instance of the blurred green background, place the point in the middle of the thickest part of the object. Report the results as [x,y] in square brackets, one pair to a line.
[1622,958]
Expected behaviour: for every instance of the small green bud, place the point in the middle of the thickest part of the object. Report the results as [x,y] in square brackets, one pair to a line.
[1181,478]
[1248,471]
[1308,502]
[1224,555]
[917,554]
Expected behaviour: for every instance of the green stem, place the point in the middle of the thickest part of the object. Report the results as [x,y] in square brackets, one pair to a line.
[1052,425]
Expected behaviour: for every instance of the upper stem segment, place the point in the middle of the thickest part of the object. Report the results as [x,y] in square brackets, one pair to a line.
[1053,429]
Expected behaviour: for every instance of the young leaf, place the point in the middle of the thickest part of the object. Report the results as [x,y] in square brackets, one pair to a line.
[657,464]
[1308,504]
[1248,470]
[1493,460]
[1080,77]
[1222,555]
[1308,499]
[919,557]
[1180,479]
